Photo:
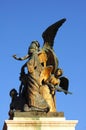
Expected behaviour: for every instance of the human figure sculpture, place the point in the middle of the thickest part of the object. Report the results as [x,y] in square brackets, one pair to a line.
[43,78]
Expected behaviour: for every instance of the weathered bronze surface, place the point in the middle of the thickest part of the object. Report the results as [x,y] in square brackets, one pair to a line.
[42,79]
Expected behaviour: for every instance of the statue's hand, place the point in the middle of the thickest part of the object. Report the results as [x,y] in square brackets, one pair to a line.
[14,56]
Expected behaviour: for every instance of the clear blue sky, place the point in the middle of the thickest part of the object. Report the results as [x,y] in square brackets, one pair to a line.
[22,21]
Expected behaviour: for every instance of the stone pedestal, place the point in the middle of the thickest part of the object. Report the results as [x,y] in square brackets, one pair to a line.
[21,121]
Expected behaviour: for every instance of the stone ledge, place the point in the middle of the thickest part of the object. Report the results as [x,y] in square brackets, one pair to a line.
[38,114]
[39,121]
[43,124]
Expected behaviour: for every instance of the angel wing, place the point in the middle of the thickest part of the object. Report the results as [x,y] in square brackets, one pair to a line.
[49,34]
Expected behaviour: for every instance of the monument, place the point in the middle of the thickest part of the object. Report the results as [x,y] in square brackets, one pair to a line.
[33,107]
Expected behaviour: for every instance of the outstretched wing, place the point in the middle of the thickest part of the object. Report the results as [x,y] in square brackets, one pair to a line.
[49,34]
[64,83]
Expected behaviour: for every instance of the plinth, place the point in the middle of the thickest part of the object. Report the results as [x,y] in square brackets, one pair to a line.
[39,121]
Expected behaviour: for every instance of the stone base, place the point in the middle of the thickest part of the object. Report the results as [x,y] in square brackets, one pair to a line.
[38,114]
[21,121]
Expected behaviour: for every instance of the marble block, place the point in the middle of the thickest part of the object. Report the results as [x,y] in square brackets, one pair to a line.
[21,121]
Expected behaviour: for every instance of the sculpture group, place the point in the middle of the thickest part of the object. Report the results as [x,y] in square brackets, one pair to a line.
[40,77]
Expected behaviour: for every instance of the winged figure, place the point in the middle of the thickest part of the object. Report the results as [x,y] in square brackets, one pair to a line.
[48,36]
[42,64]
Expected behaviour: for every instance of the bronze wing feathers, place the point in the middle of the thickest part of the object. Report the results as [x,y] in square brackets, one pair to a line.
[49,34]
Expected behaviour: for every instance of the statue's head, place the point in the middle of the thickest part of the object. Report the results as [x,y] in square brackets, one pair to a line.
[34,46]
[58,72]
[13,93]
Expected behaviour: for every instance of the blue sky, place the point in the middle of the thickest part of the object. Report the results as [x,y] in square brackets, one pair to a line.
[22,21]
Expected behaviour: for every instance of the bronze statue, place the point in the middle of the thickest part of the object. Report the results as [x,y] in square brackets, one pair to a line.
[43,77]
